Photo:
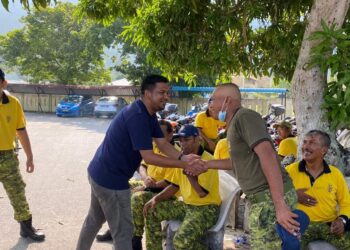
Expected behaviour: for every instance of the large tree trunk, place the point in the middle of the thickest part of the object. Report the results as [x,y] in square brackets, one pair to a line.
[309,84]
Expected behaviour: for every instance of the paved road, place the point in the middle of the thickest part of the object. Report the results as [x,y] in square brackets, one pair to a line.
[58,190]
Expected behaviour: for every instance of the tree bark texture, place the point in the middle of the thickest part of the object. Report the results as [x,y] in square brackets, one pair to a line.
[309,84]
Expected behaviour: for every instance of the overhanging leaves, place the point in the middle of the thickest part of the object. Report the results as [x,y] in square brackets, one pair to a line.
[212,37]
[332,54]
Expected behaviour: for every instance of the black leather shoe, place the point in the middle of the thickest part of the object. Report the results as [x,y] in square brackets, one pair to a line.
[137,243]
[27,230]
[106,236]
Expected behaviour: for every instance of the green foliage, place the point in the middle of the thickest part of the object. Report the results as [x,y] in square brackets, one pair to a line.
[108,10]
[26,4]
[332,54]
[134,65]
[54,46]
[211,38]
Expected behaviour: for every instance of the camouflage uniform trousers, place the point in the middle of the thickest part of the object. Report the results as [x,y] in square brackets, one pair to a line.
[322,231]
[196,220]
[133,183]
[138,200]
[262,220]
[11,178]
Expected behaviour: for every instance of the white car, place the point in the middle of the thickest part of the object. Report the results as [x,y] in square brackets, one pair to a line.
[109,106]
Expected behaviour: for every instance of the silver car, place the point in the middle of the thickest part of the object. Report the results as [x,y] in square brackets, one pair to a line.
[109,106]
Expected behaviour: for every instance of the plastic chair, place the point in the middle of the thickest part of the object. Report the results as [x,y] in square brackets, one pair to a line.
[214,238]
[320,245]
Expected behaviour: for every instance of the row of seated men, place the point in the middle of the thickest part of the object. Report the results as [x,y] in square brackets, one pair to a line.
[167,193]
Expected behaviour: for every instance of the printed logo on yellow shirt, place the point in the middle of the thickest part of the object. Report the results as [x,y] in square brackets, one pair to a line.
[8,118]
[330,188]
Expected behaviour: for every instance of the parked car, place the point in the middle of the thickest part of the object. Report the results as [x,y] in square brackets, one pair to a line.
[109,106]
[75,105]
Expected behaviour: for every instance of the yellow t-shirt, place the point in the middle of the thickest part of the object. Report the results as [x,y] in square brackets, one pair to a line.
[288,146]
[155,172]
[221,150]
[11,119]
[329,189]
[208,125]
[208,180]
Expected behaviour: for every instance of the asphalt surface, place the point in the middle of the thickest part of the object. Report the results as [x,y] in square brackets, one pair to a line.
[58,192]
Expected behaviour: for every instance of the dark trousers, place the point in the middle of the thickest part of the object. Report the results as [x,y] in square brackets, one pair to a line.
[112,206]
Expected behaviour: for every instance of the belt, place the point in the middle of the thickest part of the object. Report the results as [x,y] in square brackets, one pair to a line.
[265,195]
[6,152]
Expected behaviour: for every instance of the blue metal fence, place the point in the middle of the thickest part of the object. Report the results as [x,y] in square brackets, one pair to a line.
[246,90]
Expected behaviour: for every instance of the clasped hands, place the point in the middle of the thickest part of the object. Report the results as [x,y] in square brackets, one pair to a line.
[195,165]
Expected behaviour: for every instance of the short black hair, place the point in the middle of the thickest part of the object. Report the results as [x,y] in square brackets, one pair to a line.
[149,82]
[2,75]
[326,140]
[166,123]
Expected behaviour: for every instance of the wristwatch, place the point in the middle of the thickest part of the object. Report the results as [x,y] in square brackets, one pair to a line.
[343,220]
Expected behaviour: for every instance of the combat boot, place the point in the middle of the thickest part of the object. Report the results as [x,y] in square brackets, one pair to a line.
[27,230]
[137,243]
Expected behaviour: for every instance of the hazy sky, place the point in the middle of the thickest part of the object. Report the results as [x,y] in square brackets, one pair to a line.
[11,20]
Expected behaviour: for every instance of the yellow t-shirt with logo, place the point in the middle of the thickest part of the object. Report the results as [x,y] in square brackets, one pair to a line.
[11,119]
[288,146]
[330,190]
[221,150]
[208,125]
[208,180]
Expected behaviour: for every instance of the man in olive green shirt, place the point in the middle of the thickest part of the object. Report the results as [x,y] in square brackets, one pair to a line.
[254,161]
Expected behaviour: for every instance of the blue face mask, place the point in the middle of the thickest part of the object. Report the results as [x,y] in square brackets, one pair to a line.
[222,116]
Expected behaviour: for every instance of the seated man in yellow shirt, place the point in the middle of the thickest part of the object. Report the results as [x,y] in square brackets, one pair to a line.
[208,129]
[288,145]
[199,209]
[322,192]
[221,150]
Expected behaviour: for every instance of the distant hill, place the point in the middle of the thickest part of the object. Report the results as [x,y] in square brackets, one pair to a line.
[11,20]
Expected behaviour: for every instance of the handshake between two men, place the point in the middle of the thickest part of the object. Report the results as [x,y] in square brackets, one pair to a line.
[195,166]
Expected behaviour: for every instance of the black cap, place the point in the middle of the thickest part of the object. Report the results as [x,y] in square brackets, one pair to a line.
[188,130]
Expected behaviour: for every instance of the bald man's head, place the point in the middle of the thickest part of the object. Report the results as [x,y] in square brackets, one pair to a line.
[229,89]
[226,97]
